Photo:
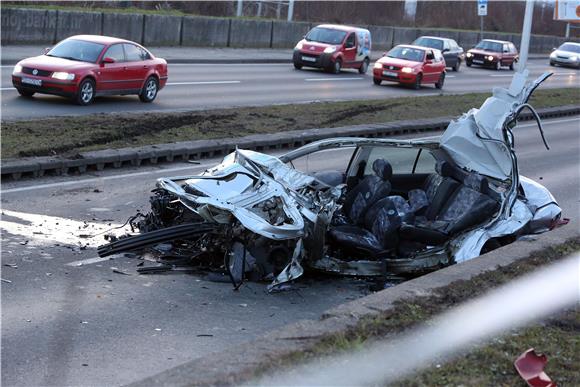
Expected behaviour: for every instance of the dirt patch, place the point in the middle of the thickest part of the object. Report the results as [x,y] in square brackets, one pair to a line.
[488,364]
[67,136]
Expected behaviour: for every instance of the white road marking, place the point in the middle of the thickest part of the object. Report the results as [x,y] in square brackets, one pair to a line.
[450,76]
[201,83]
[511,75]
[7,88]
[333,79]
[87,261]
[98,179]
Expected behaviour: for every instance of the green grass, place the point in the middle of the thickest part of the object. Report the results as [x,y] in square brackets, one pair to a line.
[67,136]
[488,364]
[132,10]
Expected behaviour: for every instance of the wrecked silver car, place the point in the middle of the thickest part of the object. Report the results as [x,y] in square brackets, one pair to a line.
[400,207]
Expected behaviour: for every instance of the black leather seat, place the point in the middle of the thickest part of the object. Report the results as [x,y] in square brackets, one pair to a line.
[371,189]
[379,235]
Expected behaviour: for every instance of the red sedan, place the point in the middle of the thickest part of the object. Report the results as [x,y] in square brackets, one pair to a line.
[85,66]
[411,65]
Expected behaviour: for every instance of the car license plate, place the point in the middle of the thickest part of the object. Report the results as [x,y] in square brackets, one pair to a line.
[390,74]
[477,61]
[308,59]
[31,81]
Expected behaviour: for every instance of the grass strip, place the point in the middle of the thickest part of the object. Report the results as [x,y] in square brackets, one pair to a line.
[489,364]
[67,136]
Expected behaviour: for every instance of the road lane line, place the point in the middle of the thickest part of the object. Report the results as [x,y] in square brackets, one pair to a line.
[7,88]
[333,79]
[104,178]
[88,261]
[511,75]
[201,83]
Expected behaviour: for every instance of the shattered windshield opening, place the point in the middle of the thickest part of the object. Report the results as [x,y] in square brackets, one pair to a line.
[326,35]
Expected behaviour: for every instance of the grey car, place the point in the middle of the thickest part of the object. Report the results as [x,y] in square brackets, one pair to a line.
[568,54]
[452,53]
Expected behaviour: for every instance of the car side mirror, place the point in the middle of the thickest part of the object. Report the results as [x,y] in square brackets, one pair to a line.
[506,51]
[46,50]
[554,48]
[429,61]
[445,50]
[108,60]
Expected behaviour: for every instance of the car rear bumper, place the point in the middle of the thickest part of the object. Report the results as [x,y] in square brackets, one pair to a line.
[312,60]
[401,77]
[48,86]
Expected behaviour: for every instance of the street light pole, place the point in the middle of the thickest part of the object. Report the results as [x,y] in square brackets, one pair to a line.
[526,32]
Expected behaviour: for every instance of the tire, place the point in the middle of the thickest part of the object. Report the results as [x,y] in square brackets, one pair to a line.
[297,66]
[25,93]
[497,65]
[150,89]
[337,66]
[468,63]
[418,79]
[364,66]
[457,65]
[512,65]
[86,92]
[377,81]
[552,64]
[441,81]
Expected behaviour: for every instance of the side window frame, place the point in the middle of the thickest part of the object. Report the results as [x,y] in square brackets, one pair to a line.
[122,50]
[352,34]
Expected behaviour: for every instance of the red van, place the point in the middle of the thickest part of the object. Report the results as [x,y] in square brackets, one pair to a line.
[334,47]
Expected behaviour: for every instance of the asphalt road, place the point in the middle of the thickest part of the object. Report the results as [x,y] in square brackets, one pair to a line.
[202,86]
[69,319]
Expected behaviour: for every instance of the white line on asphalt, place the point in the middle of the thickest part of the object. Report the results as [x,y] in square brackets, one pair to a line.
[87,261]
[177,169]
[7,88]
[450,76]
[201,83]
[97,179]
[333,79]
[511,75]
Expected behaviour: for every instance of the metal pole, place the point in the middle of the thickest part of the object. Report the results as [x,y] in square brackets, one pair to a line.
[239,10]
[481,28]
[290,10]
[526,32]
[567,30]
[259,8]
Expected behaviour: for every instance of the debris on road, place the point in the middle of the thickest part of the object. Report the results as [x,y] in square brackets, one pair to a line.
[5,280]
[118,271]
[530,365]
[12,265]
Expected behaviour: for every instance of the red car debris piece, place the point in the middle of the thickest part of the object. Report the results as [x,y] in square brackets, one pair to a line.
[530,366]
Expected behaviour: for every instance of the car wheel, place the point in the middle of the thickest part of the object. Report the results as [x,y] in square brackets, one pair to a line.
[337,66]
[364,66]
[25,93]
[86,93]
[552,63]
[418,79]
[497,65]
[297,66]
[513,64]
[149,91]
[441,81]
[468,63]
[377,81]
[457,65]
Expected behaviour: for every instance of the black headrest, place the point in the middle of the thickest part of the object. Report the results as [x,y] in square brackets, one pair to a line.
[383,169]
[470,179]
[444,169]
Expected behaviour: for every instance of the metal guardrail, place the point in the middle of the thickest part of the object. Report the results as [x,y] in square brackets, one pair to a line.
[16,169]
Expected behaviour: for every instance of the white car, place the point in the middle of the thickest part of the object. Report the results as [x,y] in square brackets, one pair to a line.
[401,207]
[568,54]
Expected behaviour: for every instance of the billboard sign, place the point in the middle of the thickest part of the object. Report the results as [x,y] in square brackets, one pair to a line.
[481,7]
[567,10]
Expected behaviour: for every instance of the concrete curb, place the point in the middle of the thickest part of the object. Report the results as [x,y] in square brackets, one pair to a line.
[202,149]
[239,364]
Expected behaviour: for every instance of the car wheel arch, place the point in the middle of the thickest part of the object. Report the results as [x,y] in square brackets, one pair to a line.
[149,75]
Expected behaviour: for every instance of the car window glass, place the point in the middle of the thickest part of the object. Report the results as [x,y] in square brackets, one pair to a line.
[350,41]
[430,55]
[79,50]
[401,159]
[115,52]
[325,35]
[438,56]
[407,53]
[513,48]
[324,160]
[429,42]
[570,47]
[486,45]
[446,45]
[144,54]
[132,53]
[425,163]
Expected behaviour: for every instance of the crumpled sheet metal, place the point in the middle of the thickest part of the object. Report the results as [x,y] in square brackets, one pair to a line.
[290,272]
[530,366]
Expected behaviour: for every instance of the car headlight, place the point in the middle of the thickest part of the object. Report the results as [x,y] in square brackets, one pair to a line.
[330,50]
[63,76]
[17,69]
[299,46]
[553,55]
[574,58]
[469,55]
[378,65]
[407,70]
[490,58]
